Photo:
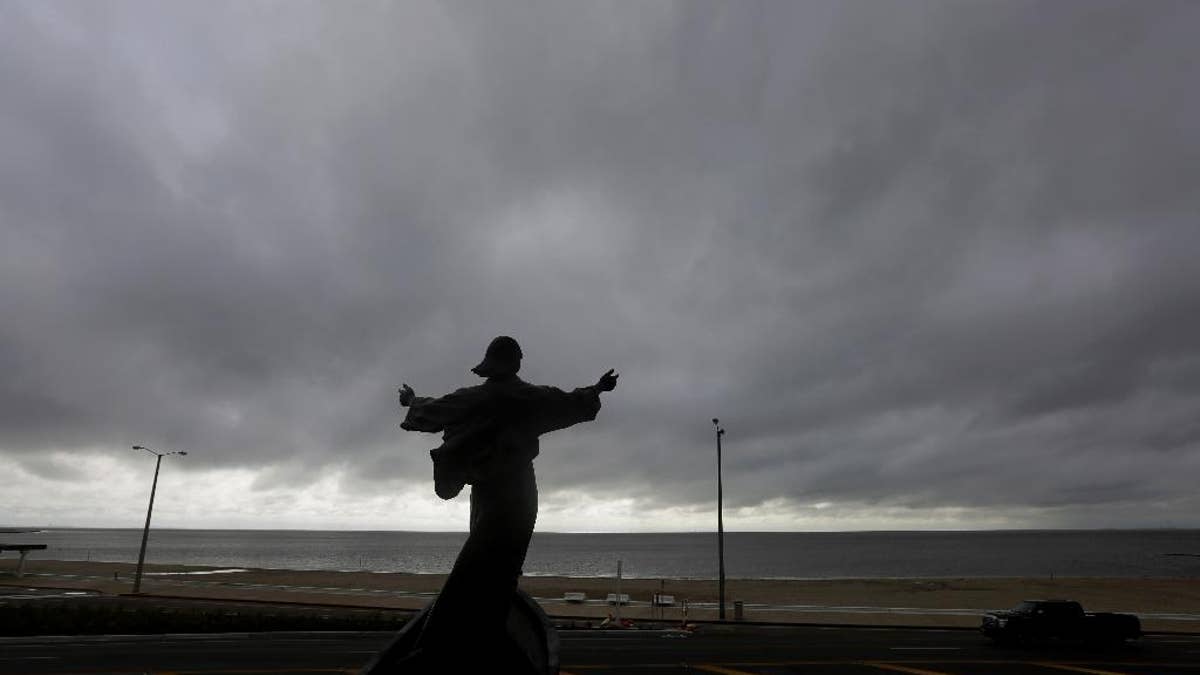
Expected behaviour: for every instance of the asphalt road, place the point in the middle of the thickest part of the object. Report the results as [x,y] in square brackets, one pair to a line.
[713,649]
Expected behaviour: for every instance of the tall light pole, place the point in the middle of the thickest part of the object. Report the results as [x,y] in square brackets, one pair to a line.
[720,526]
[137,578]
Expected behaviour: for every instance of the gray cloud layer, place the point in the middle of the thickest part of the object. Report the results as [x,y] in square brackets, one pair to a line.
[916,254]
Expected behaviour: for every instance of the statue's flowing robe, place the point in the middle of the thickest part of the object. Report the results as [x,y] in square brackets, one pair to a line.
[490,440]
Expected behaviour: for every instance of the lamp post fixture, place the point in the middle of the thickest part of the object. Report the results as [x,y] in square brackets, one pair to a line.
[720,527]
[137,579]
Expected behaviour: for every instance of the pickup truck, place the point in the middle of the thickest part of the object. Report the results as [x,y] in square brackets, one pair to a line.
[1036,620]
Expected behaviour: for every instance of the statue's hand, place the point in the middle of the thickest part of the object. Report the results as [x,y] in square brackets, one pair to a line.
[406,396]
[608,381]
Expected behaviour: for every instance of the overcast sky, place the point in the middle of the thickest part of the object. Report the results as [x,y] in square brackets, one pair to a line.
[933,264]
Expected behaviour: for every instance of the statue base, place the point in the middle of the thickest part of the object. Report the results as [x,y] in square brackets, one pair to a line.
[530,646]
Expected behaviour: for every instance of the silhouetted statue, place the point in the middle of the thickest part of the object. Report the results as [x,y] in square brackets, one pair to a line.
[490,439]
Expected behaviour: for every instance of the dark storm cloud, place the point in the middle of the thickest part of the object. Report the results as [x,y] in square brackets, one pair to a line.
[912,255]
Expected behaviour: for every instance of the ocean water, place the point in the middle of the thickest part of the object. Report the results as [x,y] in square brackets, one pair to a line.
[799,555]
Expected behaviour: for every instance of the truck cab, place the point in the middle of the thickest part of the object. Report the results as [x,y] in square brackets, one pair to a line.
[1038,620]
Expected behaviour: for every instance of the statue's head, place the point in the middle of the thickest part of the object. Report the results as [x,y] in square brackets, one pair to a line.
[503,357]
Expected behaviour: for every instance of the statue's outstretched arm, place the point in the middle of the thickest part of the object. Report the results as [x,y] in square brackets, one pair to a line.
[557,409]
[435,414]
[416,418]
[607,381]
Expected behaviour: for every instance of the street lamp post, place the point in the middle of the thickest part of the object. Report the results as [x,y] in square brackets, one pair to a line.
[720,527]
[137,578]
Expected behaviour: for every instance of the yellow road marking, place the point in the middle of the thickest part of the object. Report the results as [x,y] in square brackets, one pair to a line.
[710,668]
[903,669]
[1078,669]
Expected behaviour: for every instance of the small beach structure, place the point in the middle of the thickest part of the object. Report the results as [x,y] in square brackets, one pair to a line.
[23,550]
[662,600]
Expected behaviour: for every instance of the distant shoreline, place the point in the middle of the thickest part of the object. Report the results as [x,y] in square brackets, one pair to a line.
[197,569]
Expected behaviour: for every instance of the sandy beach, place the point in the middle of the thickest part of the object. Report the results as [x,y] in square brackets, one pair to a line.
[930,602]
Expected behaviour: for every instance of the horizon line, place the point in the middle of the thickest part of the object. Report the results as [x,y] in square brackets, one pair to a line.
[32,529]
